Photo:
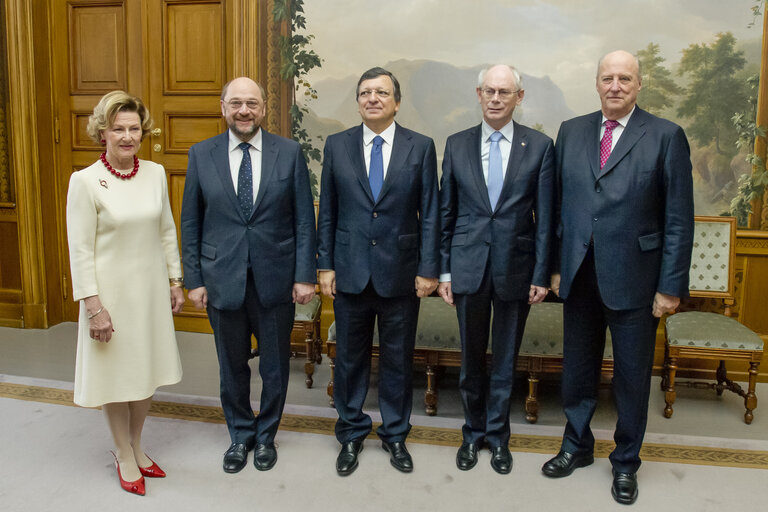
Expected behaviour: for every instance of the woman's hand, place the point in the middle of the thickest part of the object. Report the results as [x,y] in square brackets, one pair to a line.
[99,322]
[177,298]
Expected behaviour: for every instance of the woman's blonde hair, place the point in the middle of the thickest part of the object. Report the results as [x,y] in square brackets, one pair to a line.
[107,109]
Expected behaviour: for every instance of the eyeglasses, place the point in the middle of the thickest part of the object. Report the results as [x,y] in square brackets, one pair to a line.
[504,94]
[238,104]
[381,93]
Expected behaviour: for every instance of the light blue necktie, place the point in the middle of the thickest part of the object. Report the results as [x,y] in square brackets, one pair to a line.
[245,181]
[495,175]
[376,169]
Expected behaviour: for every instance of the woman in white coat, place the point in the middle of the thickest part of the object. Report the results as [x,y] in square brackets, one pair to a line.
[126,273]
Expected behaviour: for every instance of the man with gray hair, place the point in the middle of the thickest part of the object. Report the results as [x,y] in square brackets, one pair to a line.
[496,214]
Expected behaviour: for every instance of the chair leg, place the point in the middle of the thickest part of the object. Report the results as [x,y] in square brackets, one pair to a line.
[722,378]
[309,364]
[531,401]
[669,392]
[318,346]
[750,401]
[665,369]
[329,389]
[430,394]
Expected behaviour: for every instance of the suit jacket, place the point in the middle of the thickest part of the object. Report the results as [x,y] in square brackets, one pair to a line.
[388,241]
[516,236]
[638,208]
[220,246]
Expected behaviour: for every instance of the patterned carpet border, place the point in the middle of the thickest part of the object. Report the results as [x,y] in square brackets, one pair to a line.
[428,435]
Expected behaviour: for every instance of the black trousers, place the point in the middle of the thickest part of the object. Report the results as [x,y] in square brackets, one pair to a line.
[232,331]
[486,392]
[396,318]
[633,332]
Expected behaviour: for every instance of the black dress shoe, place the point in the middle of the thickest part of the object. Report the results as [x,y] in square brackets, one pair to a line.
[346,462]
[624,488]
[466,457]
[564,463]
[501,459]
[264,456]
[236,457]
[399,456]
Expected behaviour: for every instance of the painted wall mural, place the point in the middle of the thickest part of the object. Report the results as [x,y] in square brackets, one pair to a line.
[697,56]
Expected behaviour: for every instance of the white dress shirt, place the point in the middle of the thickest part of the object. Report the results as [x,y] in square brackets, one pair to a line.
[616,131]
[386,149]
[236,158]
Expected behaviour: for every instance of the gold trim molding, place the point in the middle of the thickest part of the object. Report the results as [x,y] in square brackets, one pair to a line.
[419,434]
[752,242]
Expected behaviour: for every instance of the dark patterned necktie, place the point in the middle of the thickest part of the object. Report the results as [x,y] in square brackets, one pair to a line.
[245,181]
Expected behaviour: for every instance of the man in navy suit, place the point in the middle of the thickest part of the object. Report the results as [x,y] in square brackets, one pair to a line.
[496,199]
[626,235]
[248,246]
[378,233]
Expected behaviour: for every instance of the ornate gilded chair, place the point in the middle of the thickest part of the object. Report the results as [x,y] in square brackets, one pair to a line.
[711,335]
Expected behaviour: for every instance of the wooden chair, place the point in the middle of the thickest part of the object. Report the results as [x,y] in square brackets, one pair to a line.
[711,335]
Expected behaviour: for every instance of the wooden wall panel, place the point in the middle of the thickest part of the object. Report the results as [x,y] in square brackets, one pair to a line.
[10,272]
[80,138]
[194,47]
[97,57]
[183,129]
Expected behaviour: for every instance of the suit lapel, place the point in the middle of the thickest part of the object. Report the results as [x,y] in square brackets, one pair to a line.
[632,133]
[592,143]
[354,144]
[519,146]
[401,147]
[220,158]
[268,159]
[475,164]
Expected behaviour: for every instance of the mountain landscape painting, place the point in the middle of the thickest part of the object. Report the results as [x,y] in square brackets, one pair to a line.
[699,58]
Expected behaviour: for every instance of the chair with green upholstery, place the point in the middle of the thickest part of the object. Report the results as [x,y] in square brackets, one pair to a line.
[541,351]
[711,335]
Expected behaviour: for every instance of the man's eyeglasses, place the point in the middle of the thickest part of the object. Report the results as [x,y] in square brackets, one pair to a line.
[238,104]
[381,93]
[504,94]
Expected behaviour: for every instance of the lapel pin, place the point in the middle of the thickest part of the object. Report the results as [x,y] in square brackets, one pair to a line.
[103,183]
[522,144]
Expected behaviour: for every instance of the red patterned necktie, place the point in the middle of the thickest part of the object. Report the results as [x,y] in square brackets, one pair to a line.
[605,142]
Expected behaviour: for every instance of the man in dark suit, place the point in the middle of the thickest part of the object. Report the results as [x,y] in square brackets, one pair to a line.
[496,210]
[378,232]
[626,234]
[248,246]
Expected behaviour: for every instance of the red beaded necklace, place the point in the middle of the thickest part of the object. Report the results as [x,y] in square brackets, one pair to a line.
[120,175]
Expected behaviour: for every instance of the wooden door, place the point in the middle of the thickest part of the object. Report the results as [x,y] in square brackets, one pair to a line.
[174,54]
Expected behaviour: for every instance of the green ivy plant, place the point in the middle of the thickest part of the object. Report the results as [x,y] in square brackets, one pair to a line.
[297,60]
[751,186]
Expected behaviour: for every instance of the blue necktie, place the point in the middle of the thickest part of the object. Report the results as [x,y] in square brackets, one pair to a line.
[495,175]
[245,181]
[376,169]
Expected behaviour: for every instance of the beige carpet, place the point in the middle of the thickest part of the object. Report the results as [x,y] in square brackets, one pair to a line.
[55,457]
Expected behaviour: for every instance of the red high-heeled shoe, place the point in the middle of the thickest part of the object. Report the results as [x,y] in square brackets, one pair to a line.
[152,471]
[135,487]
